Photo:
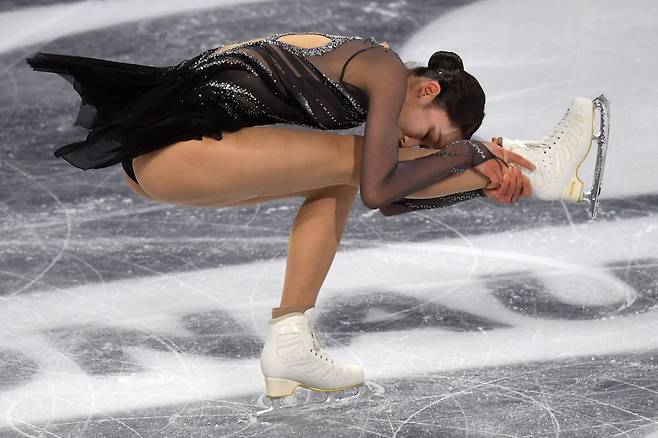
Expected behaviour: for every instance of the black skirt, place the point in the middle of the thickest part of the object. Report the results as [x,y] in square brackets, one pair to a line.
[129,109]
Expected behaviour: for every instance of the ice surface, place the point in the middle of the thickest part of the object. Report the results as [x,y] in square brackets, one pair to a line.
[445,313]
[125,317]
[49,22]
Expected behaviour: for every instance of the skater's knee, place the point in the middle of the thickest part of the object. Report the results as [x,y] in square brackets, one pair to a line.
[339,198]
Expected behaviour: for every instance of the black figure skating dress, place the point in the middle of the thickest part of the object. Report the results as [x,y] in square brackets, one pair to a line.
[132,109]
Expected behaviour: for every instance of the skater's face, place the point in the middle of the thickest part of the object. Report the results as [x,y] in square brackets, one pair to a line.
[423,122]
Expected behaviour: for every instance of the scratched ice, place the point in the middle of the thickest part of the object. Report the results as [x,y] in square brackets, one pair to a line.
[128,318]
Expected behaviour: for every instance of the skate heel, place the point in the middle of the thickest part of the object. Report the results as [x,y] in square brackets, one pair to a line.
[574,189]
[275,387]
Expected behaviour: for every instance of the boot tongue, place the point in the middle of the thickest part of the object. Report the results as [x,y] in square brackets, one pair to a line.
[310,315]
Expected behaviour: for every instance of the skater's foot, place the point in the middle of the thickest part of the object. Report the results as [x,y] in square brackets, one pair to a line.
[294,356]
[559,154]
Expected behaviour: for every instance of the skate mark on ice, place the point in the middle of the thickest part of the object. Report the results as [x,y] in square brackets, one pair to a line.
[15,369]
[346,317]
[97,350]
[102,350]
[592,396]
[530,296]
[642,275]
[607,395]
[40,276]
[220,335]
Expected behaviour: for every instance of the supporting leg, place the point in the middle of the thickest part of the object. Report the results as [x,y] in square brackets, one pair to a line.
[314,238]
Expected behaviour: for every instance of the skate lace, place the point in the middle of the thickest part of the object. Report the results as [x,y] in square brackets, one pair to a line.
[547,139]
[319,347]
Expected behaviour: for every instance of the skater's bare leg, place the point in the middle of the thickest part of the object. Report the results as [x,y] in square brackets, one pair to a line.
[263,163]
[254,161]
[314,238]
[321,219]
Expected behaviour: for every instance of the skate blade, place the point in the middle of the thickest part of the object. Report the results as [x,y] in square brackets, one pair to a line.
[591,197]
[305,400]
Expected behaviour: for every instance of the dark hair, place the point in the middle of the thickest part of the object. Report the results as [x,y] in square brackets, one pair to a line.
[461,94]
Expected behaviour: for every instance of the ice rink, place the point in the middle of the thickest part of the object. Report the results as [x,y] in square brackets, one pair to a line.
[123,317]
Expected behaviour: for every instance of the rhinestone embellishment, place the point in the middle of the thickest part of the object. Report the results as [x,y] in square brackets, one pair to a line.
[244,105]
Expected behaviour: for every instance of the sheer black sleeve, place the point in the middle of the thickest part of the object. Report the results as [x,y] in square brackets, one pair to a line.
[406,205]
[384,179]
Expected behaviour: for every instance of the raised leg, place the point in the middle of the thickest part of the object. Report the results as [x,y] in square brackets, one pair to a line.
[252,162]
[258,164]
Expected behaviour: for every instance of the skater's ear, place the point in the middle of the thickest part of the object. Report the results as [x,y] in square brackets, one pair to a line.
[431,89]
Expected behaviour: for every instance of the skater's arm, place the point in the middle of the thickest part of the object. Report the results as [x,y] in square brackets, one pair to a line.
[514,185]
[383,178]
[470,179]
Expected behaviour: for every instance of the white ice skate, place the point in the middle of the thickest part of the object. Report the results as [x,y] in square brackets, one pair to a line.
[559,154]
[294,357]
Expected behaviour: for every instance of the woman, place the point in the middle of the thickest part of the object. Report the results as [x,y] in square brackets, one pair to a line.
[189,134]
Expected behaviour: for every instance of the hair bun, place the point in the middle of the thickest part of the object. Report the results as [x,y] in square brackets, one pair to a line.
[446,61]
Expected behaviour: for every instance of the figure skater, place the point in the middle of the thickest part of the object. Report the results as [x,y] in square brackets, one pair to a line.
[191,134]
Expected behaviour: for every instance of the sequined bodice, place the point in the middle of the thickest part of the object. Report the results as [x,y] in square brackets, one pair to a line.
[269,81]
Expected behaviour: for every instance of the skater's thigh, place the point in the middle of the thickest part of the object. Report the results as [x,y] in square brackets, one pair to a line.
[343,192]
[254,161]
[248,201]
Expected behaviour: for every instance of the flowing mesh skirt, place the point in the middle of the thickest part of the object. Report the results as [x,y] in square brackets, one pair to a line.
[129,109]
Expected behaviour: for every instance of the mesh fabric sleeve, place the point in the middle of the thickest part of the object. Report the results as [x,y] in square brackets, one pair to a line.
[384,179]
[406,205]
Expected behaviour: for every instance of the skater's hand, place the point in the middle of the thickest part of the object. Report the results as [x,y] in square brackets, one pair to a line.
[514,185]
[507,155]
[493,170]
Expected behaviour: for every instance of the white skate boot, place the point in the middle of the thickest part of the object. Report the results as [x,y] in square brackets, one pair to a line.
[294,357]
[559,154]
